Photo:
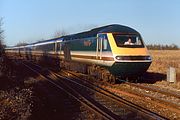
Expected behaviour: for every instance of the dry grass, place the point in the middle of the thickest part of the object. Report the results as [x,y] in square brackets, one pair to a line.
[163,59]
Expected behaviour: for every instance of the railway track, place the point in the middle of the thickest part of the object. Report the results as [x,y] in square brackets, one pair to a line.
[166,95]
[97,99]
[177,95]
[145,87]
[153,89]
[118,100]
[117,105]
[70,92]
[164,103]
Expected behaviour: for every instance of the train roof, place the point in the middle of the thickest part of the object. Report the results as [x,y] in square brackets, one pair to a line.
[114,28]
[49,40]
[118,29]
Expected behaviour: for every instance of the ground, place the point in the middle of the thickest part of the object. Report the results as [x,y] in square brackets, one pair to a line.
[20,99]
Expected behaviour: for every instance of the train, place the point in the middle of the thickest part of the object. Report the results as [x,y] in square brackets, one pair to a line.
[108,52]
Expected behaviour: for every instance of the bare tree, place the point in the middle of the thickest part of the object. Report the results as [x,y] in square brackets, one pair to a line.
[21,44]
[1,38]
[1,30]
[59,33]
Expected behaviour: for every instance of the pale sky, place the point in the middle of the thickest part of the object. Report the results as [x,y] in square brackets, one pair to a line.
[158,21]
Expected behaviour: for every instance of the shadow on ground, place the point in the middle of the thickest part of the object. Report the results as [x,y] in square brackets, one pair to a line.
[152,77]
[15,94]
[24,96]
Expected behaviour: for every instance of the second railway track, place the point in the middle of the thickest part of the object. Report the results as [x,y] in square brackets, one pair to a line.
[165,102]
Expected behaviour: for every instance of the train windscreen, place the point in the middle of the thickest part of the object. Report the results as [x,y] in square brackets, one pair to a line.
[132,41]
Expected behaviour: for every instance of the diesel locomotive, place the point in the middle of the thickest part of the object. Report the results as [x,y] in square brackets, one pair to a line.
[106,52]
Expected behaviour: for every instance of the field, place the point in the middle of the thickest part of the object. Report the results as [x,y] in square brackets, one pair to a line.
[163,59]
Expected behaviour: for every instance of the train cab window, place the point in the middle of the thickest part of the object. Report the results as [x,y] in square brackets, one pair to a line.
[133,41]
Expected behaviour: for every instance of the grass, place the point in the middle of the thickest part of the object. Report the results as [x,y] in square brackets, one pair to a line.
[163,59]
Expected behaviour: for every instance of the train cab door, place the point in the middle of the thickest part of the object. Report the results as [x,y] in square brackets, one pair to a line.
[102,45]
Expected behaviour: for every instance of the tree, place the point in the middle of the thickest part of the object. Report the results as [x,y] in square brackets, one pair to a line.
[1,38]
[60,33]
[21,44]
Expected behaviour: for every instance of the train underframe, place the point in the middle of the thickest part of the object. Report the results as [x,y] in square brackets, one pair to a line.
[98,72]
[130,73]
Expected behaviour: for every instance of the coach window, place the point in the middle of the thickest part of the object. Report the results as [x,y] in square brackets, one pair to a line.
[58,46]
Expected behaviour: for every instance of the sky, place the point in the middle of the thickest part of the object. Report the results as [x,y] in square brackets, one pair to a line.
[158,21]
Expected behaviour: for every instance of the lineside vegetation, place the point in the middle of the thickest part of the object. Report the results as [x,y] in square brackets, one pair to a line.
[162,47]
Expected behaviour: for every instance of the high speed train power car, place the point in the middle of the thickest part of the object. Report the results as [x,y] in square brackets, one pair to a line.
[106,52]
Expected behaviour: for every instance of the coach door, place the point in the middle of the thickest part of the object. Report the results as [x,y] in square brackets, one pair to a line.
[59,48]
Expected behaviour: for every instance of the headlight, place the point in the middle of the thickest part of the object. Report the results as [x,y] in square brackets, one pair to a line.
[148,58]
[118,57]
[123,57]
